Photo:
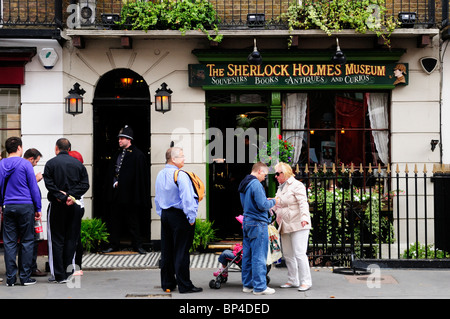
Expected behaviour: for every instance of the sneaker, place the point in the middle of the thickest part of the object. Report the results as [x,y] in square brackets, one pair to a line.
[289,285]
[268,291]
[222,272]
[247,289]
[304,288]
[11,282]
[28,282]
[78,273]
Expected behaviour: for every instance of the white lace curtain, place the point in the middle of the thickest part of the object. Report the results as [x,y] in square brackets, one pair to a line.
[294,117]
[378,115]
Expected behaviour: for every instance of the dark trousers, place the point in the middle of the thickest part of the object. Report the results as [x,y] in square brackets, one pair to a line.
[176,239]
[64,223]
[125,215]
[18,224]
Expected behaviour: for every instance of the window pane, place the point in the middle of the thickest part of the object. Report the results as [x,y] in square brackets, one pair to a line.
[321,110]
[340,129]
[9,115]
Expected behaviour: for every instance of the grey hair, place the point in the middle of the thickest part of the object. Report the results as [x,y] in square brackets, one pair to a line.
[173,152]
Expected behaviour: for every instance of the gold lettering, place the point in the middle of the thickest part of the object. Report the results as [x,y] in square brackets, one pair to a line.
[253,70]
[321,69]
[296,69]
[266,72]
[210,66]
[330,69]
[284,71]
[230,70]
[305,70]
[245,69]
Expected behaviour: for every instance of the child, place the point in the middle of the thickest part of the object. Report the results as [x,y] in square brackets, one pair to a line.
[225,257]
[228,255]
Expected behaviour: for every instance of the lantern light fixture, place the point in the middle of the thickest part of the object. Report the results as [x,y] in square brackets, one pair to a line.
[255,57]
[74,101]
[126,82]
[163,101]
[338,57]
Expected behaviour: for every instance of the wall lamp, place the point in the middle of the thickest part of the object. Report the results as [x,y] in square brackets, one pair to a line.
[255,57]
[339,56]
[74,101]
[433,144]
[163,101]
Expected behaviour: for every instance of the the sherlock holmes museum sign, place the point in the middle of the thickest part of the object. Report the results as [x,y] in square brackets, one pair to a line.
[299,75]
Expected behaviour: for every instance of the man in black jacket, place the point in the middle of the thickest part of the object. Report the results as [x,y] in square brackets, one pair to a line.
[66,180]
[128,191]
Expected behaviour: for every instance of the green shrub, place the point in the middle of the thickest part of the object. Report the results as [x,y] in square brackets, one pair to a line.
[204,233]
[334,15]
[172,15]
[93,233]
[417,251]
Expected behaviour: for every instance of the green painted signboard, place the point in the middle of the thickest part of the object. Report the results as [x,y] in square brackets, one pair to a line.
[298,76]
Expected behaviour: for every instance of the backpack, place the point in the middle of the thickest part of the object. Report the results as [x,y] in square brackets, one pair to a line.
[199,187]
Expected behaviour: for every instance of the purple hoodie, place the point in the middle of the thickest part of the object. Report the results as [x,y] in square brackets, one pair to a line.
[22,187]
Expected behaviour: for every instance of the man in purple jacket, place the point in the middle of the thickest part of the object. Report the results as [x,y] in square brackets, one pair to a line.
[21,202]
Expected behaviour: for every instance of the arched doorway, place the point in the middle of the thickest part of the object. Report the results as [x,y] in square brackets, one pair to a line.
[121,98]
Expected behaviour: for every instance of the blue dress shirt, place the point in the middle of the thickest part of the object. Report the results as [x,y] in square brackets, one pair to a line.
[168,195]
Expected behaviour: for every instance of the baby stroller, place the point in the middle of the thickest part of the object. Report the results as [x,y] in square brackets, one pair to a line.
[222,274]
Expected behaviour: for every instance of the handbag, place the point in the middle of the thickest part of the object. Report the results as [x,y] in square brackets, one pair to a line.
[274,253]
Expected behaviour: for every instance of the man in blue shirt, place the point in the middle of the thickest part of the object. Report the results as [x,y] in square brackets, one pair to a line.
[21,202]
[255,228]
[177,205]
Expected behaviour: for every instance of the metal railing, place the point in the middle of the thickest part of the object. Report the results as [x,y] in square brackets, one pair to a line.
[232,14]
[367,213]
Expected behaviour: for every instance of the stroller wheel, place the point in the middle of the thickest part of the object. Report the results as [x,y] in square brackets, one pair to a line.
[217,285]
[212,284]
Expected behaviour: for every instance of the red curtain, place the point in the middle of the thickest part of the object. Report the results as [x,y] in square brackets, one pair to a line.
[350,114]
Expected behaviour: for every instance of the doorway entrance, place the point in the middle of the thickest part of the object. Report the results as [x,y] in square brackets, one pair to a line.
[230,165]
[121,98]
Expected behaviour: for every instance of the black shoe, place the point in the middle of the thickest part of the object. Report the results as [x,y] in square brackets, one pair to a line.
[109,250]
[28,282]
[11,282]
[141,250]
[192,290]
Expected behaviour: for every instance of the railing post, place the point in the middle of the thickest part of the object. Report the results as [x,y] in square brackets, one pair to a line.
[59,14]
[432,11]
[444,13]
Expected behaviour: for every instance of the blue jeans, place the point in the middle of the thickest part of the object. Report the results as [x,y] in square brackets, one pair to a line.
[18,223]
[255,247]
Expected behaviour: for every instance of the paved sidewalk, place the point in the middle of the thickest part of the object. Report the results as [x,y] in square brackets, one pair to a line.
[133,284]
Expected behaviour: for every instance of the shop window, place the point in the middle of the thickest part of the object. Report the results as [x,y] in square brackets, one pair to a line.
[9,115]
[337,127]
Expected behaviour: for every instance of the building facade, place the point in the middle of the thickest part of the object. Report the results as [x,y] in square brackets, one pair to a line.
[381,108]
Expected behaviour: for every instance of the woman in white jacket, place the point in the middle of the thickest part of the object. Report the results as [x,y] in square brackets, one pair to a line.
[294,223]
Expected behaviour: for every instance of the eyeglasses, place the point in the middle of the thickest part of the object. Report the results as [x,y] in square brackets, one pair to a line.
[278,174]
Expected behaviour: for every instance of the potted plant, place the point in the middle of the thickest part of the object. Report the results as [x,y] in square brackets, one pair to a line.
[93,234]
[282,151]
[204,234]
